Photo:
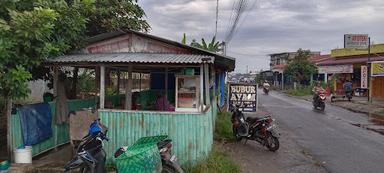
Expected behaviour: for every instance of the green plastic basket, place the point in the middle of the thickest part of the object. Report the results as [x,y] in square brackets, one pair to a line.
[142,157]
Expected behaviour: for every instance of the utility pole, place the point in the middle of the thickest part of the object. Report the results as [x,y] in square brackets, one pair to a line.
[369,71]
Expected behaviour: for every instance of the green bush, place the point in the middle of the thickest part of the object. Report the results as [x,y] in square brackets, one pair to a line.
[223,128]
[217,162]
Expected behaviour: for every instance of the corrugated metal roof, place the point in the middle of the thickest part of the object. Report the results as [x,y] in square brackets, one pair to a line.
[155,58]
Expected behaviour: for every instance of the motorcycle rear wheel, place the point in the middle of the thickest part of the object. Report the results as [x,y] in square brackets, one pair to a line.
[273,143]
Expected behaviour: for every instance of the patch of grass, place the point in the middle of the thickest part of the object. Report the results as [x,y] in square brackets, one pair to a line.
[223,128]
[217,162]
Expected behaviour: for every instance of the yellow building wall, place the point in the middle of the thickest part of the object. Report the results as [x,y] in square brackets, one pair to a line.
[339,53]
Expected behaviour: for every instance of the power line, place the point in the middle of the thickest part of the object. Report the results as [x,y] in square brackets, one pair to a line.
[247,54]
[217,15]
[238,9]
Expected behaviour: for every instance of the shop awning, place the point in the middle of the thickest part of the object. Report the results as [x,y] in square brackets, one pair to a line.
[342,61]
[144,58]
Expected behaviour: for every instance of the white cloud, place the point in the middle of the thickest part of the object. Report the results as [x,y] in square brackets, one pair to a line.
[271,26]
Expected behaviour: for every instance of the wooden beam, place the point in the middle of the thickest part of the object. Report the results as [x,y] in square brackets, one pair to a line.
[55,80]
[207,91]
[9,127]
[118,81]
[102,86]
[166,83]
[201,87]
[128,91]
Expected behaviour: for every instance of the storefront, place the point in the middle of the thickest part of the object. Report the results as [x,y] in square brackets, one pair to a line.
[176,91]
[339,69]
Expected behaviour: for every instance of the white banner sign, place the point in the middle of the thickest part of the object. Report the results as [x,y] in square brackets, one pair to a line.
[364,76]
[335,69]
[359,41]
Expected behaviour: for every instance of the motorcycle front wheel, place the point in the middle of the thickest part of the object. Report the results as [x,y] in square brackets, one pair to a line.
[237,136]
[273,143]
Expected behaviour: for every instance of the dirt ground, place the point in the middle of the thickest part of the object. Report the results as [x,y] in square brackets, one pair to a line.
[254,158]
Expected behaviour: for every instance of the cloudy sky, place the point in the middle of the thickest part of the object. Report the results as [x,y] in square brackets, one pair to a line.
[269,26]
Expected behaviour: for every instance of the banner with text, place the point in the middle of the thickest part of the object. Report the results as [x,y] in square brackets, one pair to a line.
[244,95]
[335,69]
[364,77]
[359,41]
[377,68]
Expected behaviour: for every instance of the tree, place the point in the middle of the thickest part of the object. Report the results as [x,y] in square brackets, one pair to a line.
[110,15]
[213,46]
[300,68]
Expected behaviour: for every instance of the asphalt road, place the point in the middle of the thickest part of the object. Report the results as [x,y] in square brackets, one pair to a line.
[329,137]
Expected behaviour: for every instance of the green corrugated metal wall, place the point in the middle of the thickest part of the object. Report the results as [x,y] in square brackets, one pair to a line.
[192,134]
[60,133]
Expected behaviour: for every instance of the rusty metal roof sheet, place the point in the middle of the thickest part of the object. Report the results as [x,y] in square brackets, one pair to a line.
[154,58]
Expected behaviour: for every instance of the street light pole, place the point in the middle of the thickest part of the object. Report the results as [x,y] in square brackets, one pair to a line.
[369,71]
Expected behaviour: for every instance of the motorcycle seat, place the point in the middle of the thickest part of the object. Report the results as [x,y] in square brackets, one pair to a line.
[252,119]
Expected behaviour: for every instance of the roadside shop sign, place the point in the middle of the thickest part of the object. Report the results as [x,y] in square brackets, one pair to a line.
[364,77]
[243,94]
[335,69]
[377,68]
[359,41]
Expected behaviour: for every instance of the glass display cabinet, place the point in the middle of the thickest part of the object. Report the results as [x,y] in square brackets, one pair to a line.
[187,93]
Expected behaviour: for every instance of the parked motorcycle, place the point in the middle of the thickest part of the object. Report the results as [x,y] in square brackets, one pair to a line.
[319,101]
[261,129]
[169,161]
[90,156]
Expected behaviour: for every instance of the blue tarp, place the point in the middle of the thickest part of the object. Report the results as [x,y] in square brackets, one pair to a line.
[220,86]
[36,123]
[222,89]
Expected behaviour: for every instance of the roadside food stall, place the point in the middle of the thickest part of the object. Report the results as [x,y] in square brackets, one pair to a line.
[160,87]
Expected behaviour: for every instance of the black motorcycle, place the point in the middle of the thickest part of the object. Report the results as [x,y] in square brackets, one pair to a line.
[169,161]
[319,101]
[261,129]
[90,156]
[265,90]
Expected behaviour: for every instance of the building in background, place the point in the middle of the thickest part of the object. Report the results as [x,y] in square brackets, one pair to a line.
[351,64]
[278,63]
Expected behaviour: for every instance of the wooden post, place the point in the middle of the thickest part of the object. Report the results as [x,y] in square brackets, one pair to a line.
[128,91]
[202,87]
[55,91]
[102,86]
[73,94]
[166,83]
[9,127]
[140,82]
[97,77]
[118,82]
[207,90]
[55,80]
